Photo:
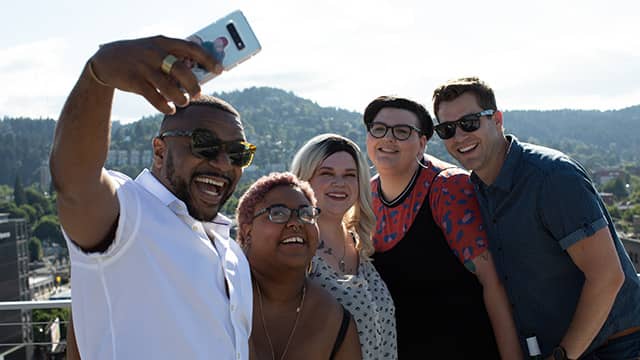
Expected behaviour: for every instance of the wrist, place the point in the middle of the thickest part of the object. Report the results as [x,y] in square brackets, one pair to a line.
[559,353]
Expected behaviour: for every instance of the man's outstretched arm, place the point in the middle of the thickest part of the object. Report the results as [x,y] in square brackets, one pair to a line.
[87,203]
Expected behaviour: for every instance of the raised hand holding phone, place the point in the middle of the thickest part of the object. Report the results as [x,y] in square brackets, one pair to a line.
[230,40]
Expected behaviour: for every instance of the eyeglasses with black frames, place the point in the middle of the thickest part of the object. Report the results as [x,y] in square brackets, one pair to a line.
[281,214]
[204,144]
[401,132]
[468,123]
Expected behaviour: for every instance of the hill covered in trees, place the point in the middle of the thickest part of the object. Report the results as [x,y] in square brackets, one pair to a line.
[279,122]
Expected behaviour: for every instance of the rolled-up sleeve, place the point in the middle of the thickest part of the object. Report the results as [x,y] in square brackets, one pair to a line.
[569,206]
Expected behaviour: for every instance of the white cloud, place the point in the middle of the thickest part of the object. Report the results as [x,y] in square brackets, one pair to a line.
[35,78]
[543,54]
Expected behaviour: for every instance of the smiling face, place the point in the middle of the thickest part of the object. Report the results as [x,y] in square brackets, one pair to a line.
[203,185]
[335,184]
[389,155]
[481,151]
[277,246]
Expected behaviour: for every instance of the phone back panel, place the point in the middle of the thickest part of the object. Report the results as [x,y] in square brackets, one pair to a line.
[230,40]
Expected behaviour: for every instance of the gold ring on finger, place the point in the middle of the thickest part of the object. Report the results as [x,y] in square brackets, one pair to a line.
[167,63]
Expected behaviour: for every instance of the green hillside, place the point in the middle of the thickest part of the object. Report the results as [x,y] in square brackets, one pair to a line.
[278,122]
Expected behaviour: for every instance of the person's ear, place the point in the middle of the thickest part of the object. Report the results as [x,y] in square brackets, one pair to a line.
[245,231]
[423,145]
[159,152]
[497,116]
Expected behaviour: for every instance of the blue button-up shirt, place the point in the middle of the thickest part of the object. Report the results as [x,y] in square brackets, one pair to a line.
[541,203]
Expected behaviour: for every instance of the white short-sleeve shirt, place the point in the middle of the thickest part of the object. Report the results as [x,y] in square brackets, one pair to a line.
[158,292]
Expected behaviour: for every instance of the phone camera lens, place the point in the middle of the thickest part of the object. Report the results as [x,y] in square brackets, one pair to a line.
[235,36]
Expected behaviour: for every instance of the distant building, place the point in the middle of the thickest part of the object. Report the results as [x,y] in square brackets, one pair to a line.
[633,249]
[146,158]
[134,157]
[123,157]
[634,170]
[14,283]
[608,198]
[41,286]
[112,158]
[604,176]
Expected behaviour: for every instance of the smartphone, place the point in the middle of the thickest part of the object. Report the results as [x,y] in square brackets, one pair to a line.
[230,40]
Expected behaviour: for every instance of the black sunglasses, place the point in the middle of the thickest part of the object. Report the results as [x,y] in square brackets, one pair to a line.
[280,214]
[468,123]
[206,145]
[401,132]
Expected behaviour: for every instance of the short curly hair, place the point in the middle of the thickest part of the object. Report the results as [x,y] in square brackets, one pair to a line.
[256,193]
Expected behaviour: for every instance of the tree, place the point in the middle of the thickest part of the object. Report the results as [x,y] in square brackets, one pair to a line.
[19,197]
[5,193]
[32,213]
[35,249]
[41,317]
[617,187]
[14,211]
[38,200]
[48,228]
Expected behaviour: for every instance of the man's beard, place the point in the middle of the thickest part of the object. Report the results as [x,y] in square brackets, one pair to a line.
[180,189]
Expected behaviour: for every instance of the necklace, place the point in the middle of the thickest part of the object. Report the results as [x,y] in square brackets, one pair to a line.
[293,329]
[329,251]
[342,266]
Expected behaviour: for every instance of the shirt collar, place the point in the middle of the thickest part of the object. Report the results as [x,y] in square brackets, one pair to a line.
[504,180]
[150,183]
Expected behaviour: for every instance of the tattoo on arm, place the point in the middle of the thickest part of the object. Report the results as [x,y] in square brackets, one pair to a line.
[484,256]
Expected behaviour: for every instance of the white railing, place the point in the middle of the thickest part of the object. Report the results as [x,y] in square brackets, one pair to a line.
[6,349]
[31,305]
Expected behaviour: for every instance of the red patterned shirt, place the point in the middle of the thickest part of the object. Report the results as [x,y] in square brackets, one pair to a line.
[453,205]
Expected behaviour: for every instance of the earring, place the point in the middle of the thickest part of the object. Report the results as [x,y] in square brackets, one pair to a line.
[418,160]
[247,242]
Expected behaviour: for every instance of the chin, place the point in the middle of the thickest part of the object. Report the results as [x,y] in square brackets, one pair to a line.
[206,214]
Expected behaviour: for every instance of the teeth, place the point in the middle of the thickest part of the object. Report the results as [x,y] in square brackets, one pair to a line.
[207,180]
[340,195]
[293,240]
[468,148]
[387,150]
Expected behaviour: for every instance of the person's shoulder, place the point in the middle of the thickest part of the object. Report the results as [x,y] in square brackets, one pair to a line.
[322,317]
[322,300]
[549,160]
[443,171]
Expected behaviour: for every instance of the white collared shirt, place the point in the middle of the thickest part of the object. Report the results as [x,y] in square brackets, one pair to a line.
[158,292]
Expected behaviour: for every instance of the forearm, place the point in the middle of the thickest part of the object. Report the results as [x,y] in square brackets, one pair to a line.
[594,305]
[501,317]
[498,307]
[86,199]
[81,139]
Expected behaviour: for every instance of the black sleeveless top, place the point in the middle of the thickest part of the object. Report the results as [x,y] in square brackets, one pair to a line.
[439,305]
[342,332]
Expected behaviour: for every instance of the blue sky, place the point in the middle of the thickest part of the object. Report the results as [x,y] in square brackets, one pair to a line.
[547,54]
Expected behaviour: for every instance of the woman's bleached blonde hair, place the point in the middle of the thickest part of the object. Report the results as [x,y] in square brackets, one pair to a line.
[360,218]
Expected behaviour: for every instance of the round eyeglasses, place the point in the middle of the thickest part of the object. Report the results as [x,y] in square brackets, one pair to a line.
[400,132]
[281,214]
